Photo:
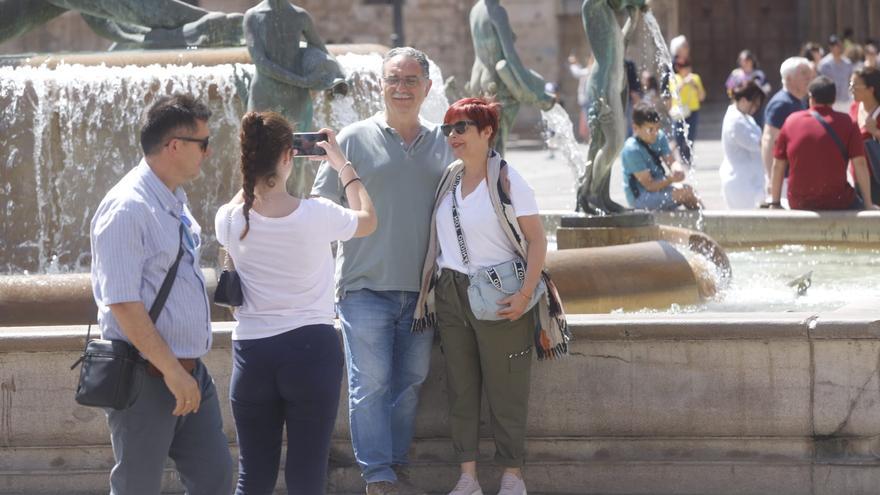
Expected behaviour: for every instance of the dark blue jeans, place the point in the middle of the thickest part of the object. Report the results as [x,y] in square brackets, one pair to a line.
[290,379]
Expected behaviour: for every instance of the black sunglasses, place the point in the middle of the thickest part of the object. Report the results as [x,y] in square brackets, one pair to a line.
[203,143]
[460,127]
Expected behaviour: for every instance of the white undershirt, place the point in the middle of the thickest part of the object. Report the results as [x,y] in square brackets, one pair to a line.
[286,266]
[487,244]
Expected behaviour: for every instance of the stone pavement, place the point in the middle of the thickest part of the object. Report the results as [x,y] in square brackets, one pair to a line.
[555,182]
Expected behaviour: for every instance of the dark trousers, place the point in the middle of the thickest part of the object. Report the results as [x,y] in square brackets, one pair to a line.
[145,435]
[290,379]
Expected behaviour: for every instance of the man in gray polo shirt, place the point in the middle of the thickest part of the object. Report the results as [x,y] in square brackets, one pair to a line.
[400,159]
[136,234]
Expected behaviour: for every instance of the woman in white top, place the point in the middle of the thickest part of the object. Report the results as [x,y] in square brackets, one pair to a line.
[287,360]
[472,233]
[742,171]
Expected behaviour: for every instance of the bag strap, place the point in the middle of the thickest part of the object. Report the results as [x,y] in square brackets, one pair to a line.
[831,133]
[159,303]
[456,221]
[227,260]
[654,156]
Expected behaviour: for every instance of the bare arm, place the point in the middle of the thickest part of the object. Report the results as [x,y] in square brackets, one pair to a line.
[536,253]
[137,326]
[648,182]
[768,141]
[355,193]
[776,176]
[863,180]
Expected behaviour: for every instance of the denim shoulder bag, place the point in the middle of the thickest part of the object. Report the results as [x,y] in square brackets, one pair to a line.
[490,284]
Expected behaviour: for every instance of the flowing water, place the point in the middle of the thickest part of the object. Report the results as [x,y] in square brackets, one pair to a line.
[764,280]
[68,134]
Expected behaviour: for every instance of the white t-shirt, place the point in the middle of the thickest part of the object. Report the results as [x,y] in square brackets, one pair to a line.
[285,264]
[487,244]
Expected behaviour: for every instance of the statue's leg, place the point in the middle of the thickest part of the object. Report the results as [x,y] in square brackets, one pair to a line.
[509,109]
[20,16]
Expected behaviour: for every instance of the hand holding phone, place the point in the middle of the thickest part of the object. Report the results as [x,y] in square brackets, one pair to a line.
[330,148]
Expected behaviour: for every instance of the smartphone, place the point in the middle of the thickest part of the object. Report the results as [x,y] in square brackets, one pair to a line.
[304,143]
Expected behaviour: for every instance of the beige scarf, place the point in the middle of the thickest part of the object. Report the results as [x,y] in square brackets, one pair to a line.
[551,332]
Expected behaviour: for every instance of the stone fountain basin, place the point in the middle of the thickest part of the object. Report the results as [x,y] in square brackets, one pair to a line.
[724,404]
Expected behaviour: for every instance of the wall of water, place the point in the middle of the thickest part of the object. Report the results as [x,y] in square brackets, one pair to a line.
[67,135]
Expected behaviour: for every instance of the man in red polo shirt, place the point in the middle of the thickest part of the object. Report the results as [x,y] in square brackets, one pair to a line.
[817,166]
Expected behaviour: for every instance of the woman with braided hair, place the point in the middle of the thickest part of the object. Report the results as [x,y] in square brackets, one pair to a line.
[287,359]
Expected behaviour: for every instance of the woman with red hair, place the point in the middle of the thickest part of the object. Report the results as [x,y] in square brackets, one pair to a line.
[484,286]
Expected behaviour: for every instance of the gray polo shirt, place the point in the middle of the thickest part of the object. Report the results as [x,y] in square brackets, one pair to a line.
[402,182]
[135,236]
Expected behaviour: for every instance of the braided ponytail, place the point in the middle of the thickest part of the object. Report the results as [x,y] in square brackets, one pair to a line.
[264,137]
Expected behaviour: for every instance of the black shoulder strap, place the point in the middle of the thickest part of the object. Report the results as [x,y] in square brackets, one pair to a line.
[833,135]
[159,303]
[505,198]
[654,156]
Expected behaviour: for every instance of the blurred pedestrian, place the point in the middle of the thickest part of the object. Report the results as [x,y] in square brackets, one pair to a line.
[742,171]
[839,69]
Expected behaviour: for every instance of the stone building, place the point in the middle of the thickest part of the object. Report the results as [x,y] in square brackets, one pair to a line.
[548,31]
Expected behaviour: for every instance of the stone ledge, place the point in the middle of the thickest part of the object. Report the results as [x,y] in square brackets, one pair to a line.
[840,324]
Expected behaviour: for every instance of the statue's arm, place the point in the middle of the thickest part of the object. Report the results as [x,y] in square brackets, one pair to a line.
[112,30]
[257,49]
[310,33]
[525,92]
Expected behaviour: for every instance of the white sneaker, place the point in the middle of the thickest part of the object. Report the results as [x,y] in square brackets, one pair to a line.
[467,485]
[512,485]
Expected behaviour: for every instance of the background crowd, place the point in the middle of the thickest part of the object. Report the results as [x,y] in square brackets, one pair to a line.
[823,147]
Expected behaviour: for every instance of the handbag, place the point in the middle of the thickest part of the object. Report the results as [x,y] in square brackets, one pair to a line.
[228,292]
[488,285]
[112,371]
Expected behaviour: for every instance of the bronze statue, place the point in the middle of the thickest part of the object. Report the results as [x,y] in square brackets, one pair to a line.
[607,96]
[146,23]
[285,73]
[498,72]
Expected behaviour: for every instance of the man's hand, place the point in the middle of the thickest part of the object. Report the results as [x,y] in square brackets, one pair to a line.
[677,176]
[186,391]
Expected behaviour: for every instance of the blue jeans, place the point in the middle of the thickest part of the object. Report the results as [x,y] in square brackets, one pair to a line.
[387,364]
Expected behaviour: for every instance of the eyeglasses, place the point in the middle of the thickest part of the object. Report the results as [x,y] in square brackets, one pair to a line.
[408,81]
[203,143]
[853,87]
[459,127]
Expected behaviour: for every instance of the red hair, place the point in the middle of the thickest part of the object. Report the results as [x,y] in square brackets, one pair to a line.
[484,113]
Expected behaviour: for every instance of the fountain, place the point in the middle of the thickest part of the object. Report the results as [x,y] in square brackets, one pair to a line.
[736,403]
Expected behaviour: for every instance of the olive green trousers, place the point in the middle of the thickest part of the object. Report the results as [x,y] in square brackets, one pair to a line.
[495,355]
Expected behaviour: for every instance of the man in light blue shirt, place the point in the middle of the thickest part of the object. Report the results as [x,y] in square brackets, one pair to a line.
[136,234]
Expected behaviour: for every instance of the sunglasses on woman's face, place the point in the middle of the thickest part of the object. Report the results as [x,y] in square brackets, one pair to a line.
[459,127]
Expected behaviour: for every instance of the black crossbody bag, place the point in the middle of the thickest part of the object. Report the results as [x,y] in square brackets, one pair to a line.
[112,371]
